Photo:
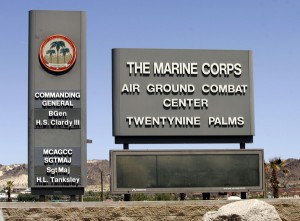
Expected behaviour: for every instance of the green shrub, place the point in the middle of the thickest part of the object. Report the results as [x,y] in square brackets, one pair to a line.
[26,197]
[164,197]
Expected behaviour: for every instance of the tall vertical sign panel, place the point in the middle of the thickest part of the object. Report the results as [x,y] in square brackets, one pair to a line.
[57,102]
[182,96]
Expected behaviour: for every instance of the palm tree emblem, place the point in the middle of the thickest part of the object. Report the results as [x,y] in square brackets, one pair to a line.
[57,53]
[57,45]
[50,52]
[65,51]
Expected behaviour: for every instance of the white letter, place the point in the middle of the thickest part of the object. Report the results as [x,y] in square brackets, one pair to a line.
[130,64]
[203,69]
[158,69]
[166,103]
[194,68]
[205,91]
[223,69]
[214,69]
[129,120]
[211,120]
[237,69]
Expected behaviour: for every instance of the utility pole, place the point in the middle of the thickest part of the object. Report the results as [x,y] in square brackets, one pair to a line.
[101,176]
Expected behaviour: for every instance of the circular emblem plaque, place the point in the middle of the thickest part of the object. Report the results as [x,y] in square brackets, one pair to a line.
[57,53]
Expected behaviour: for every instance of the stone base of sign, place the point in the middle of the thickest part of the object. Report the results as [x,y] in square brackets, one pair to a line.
[288,209]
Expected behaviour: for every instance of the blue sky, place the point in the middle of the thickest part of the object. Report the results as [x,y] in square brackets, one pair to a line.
[271,29]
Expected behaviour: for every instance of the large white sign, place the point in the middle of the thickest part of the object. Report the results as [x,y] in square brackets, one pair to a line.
[165,92]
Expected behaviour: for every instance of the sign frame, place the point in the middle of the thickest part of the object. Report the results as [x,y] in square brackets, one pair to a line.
[116,190]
